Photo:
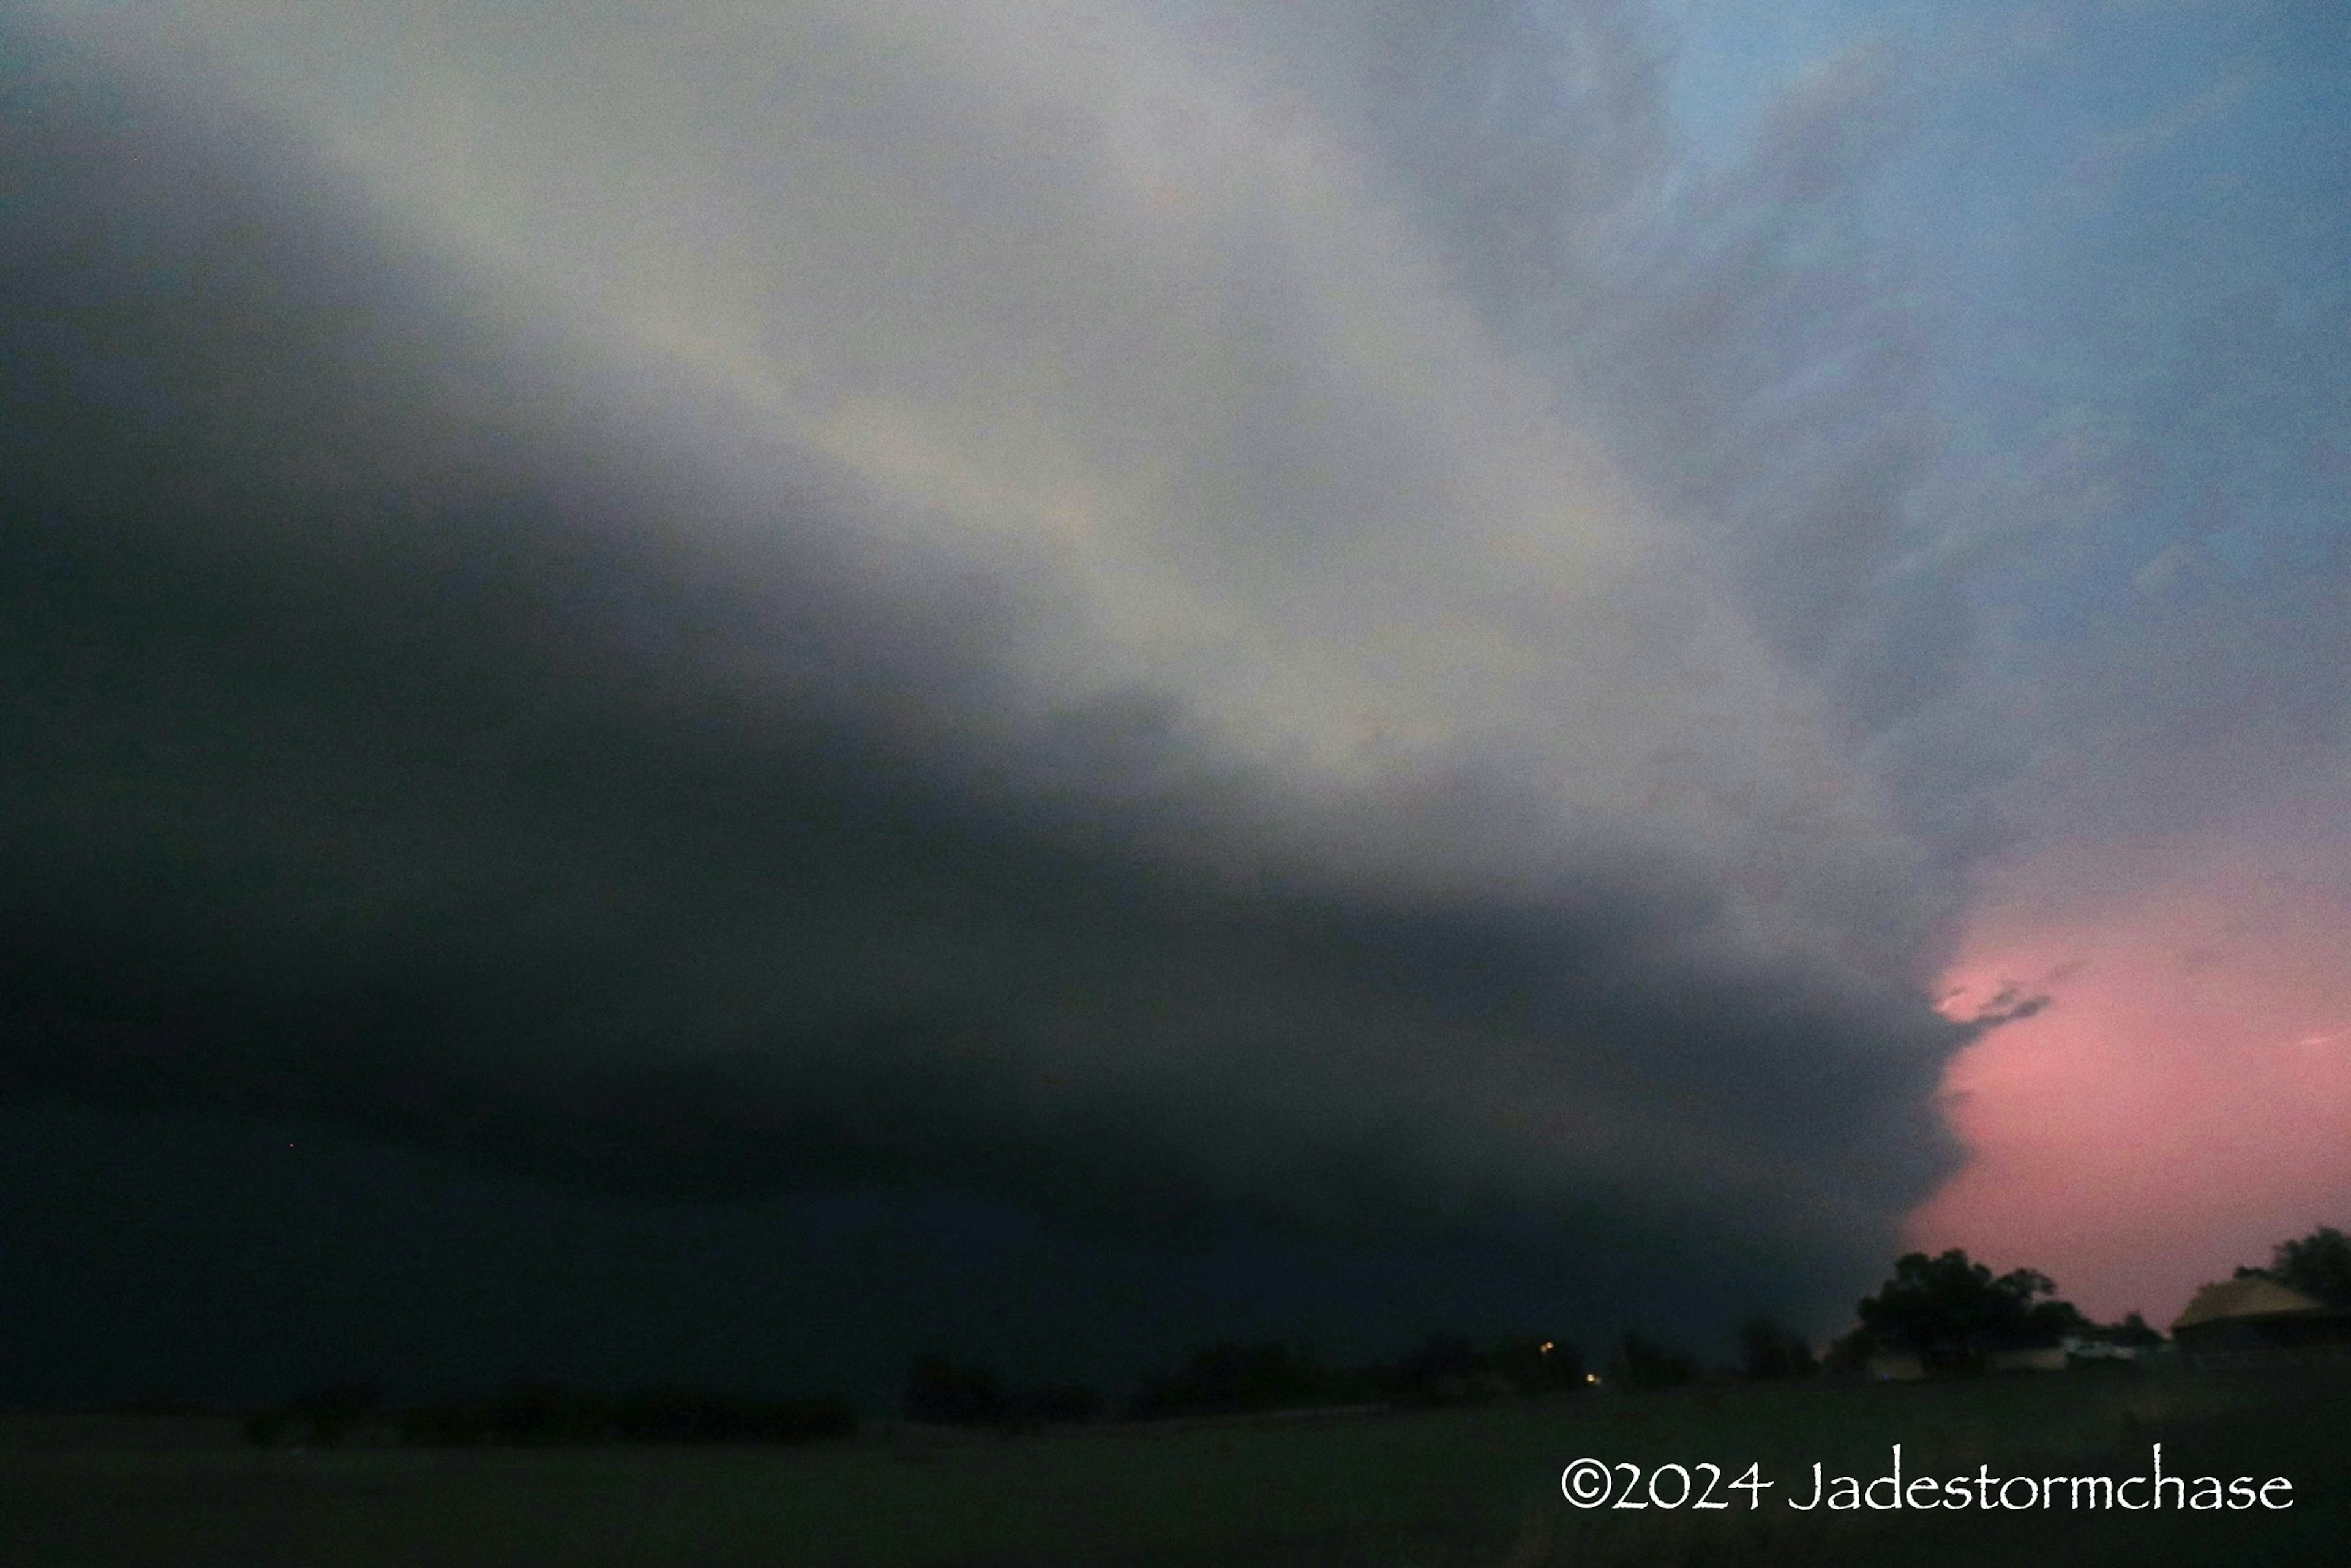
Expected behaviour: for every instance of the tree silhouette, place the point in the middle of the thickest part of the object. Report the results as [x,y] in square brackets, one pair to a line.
[1768,1350]
[939,1391]
[1537,1365]
[1638,1364]
[2318,1265]
[1442,1369]
[1952,1312]
[1064,1402]
[1227,1378]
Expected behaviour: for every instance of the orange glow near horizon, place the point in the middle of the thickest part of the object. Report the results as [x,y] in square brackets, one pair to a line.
[2184,1102]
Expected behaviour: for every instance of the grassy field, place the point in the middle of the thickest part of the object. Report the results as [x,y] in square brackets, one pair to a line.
[1475,1487]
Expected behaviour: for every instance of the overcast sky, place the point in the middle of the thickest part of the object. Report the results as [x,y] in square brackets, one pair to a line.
[1070,678]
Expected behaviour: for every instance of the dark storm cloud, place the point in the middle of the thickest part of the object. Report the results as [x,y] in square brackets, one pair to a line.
[430,710]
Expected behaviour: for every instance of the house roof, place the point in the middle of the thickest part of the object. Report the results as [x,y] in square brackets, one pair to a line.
[2251,1296]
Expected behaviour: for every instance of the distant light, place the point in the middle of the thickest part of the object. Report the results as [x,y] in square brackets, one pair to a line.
[1591,1377]
[1546,1350]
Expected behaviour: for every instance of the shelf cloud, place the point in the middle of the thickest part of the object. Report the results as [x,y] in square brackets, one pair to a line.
[1021,599]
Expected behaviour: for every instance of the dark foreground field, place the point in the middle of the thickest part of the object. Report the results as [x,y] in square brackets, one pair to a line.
[1471,1487]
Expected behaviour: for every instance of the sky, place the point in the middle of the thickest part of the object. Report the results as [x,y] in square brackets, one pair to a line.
[713,693]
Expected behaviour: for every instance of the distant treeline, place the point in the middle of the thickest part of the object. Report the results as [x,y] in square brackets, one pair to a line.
[1242,1379]
[1230,1379]
[1235,1379]
[1444,1370]
[548,1413]
[1951,1312]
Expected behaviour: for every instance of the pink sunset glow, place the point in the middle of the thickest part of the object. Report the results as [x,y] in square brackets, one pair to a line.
[2184,1102]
